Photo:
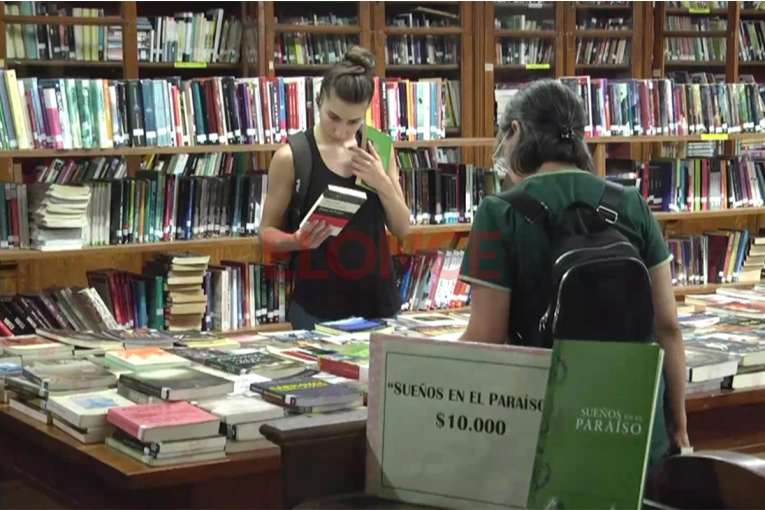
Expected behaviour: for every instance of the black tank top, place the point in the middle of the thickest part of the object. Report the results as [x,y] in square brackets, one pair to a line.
[350,274]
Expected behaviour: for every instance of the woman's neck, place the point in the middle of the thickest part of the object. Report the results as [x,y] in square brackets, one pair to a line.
[552,166]
[321,139]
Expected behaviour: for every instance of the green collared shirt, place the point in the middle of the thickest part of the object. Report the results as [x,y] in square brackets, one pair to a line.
[500,240]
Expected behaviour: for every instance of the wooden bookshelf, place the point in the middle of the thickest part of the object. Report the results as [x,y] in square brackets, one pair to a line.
[482,59]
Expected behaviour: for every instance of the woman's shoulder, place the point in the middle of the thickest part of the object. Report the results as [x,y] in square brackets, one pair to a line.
[634,206]
[494,214]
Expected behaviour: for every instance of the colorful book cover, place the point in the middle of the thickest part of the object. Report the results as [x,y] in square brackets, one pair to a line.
[596,427]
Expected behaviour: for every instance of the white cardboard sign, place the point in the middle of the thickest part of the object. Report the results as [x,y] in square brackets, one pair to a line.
[453,424]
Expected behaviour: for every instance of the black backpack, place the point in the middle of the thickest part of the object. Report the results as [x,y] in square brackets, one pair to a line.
[594,285]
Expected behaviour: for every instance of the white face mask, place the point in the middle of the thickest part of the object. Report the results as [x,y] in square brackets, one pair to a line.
[499,159]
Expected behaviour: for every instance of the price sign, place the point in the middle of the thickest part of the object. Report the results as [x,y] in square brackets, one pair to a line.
[453,424]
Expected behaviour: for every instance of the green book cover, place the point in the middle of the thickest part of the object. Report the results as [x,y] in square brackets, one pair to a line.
[596,425]
[383,145]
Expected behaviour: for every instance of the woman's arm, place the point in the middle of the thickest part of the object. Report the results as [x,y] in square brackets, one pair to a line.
[670,337]
[657,257]
[489,315]
[486,266]
[281,182]
[397,213]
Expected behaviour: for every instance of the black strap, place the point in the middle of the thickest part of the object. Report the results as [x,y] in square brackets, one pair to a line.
[532,209]
[303,163]
[609,202]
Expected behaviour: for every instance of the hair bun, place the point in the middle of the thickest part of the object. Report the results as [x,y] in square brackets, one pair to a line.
[361,57]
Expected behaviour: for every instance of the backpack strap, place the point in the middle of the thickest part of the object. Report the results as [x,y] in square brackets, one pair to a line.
[303,163]
[609,202]
[532,209]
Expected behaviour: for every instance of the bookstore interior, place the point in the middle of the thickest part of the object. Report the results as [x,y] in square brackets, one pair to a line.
[150,352]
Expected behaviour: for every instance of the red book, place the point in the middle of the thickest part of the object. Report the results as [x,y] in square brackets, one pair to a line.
[166,421]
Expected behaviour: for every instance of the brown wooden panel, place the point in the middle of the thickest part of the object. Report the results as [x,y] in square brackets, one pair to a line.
[70,271]
[695,227]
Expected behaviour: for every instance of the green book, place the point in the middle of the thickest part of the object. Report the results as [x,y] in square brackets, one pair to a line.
[596,426]
[383,145]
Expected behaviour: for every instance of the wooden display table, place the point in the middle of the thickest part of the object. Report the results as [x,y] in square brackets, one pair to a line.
[323,456]
[727,420]
[95,476]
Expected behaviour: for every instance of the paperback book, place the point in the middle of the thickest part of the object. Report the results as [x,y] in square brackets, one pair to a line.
[335,207]
[594,439]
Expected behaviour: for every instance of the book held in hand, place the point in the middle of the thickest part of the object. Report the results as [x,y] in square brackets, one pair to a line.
[383,145]
[335,207]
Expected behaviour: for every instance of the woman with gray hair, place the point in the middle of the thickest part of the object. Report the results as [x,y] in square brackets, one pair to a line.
[542,149]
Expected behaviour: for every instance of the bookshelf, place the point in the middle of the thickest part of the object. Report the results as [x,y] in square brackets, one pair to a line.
[475,46]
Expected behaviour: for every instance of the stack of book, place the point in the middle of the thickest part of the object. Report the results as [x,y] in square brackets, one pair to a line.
[83,415]
[166,433]
[42,380]
[185,277]
[57,216]
[241,417]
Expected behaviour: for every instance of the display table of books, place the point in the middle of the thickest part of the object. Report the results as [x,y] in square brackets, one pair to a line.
[275,419]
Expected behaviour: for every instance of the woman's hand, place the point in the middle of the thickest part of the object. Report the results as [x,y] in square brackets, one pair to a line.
[680,439]
[311,235]
[368,166]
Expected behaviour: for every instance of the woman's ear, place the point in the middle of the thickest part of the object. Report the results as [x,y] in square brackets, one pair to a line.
[515,126]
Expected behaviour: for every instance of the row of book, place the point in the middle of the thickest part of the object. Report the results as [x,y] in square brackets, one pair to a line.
[683,104]
[189,293]
[74,113]
[539,52]
[702,184]
[608,51]
[185,292]
[184,37]
[718,256]
[714,5]
[151,208]
[184,197]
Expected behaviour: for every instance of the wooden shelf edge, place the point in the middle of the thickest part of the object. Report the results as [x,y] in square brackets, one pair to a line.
[710,288]
[701,215]
[194,244]
[440,142]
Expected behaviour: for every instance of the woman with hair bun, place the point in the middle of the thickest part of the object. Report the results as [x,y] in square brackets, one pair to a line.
[350,274]
[542,150]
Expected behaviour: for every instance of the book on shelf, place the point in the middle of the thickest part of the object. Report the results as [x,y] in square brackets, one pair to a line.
[160,38]
[687,104]
[80,113]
